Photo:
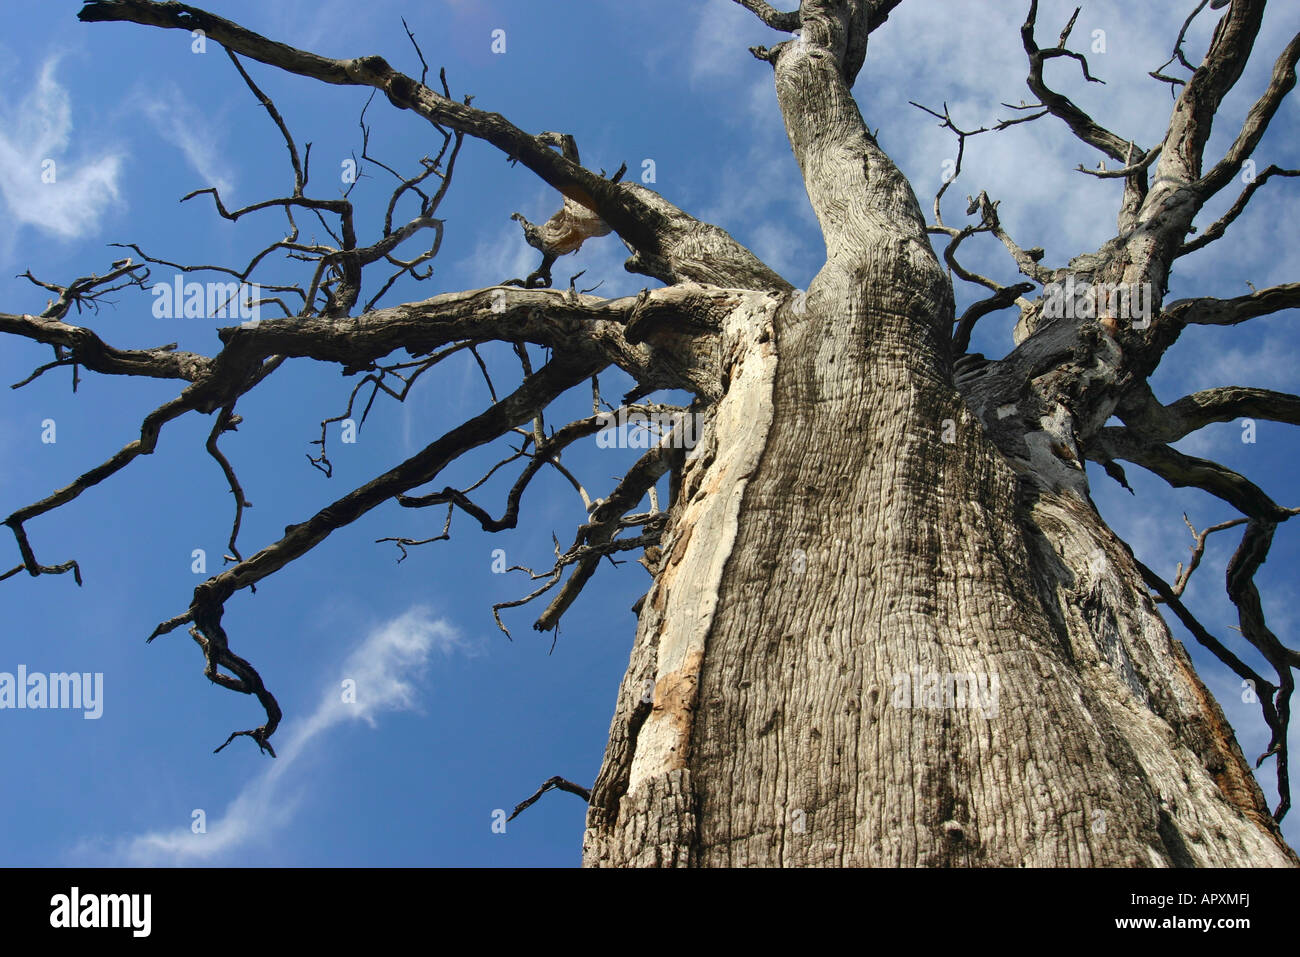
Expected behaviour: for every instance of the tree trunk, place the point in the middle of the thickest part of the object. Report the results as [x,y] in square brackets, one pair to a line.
[869,640]
[829,560]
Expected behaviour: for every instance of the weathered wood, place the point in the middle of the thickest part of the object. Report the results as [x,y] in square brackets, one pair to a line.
[831,551]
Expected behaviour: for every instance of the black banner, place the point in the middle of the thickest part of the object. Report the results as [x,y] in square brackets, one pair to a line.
[872,906]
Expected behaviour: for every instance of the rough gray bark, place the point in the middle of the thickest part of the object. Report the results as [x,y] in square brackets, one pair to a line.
[857,546]
[868,514]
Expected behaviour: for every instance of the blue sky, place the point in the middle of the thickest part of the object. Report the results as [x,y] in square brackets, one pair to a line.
[456,721]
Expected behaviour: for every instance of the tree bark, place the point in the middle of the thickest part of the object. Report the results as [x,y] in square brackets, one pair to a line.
[844,538]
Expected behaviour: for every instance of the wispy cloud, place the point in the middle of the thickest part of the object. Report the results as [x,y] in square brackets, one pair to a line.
[309,24]
[197,135]
[714,52]
[504,254]
[40,183]
[385,669]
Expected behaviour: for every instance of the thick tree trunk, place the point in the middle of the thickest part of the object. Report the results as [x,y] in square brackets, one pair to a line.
[844,542]
[827,542]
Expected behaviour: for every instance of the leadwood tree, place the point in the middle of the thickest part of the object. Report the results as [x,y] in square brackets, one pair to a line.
[887,624]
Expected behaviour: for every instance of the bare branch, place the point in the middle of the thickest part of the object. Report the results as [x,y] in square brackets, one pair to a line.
[1002,299]
[666,239]
[1184,574]
[1079,122]
[1223,404]
[1257,121]
[1181,470]
[1026,259]
[785,22]
[1220,226]
[598,538]
[299,176]
[1178,47]
[88,350]
[1125,171]
[1208,311]
[1250,555]
[555,783]
[227,421]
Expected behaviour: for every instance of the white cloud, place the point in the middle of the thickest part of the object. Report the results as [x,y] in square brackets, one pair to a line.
[199,138]
[505,255]
[715,51]
[778,247]
[34,138]
[307,25]
[385,668]
[1257,353]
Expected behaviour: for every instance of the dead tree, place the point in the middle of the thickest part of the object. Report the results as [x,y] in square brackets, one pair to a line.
[868,501]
